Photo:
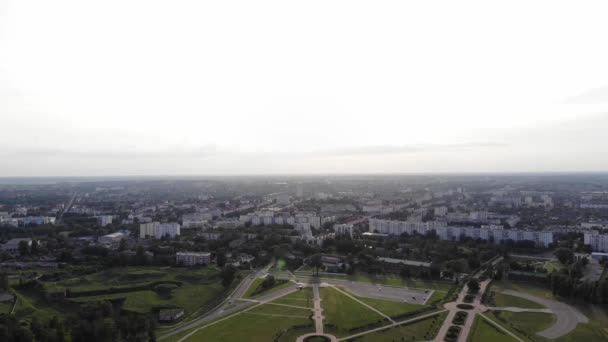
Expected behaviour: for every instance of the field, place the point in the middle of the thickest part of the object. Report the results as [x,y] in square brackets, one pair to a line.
[504,300]
[422,330]
[192,291]
[259,324]
[301,298]
[391,308]
[483,331]
[594,331]
[256,289]
[343,314]
[392,280]
[527,322]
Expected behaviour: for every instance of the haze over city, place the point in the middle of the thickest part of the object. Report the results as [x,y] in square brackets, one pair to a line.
[273,87]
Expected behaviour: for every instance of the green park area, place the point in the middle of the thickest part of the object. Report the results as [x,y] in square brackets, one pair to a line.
[345,316]
[503,300]
[135,289]
[302,298]
[526,324]
[483,331]
[392,280]
[424,329]
[261,323]
[261,286]
[393,309]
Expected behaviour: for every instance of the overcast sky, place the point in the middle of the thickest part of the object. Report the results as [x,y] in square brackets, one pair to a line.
[259,87]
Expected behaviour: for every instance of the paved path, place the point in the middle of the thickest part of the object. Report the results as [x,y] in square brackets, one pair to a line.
[514,309]
[318,311]
[568,317]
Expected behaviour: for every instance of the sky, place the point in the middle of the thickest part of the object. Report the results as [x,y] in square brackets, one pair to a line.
[101,88]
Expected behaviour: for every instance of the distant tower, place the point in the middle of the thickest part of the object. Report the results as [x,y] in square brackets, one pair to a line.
[299,190]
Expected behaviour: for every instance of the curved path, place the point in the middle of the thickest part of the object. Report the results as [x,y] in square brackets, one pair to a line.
[568,317]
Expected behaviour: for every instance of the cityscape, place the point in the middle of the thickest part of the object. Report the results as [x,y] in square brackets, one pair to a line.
[338,258]
[312,171]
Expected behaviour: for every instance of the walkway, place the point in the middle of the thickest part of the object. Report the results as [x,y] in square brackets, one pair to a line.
[318,311]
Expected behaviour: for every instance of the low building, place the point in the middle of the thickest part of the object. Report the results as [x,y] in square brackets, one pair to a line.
[112,238]
[170,315]
[396,265]
[12,246]
[192,258]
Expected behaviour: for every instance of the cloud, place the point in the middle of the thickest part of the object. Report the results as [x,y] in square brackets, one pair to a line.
[591,96]
[410,148]
[169,152]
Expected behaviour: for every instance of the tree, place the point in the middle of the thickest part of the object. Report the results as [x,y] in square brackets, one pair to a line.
[564,255]
[228,275]
[221,259]
[34,248]
[473,285]
[268,282]
[24,248]
[4,281]
[315,262]
[122,246]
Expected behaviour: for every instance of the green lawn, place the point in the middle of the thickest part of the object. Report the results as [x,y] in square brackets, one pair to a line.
[553,266]
[437,295]
[270,309]
[256,289]
[392,280]
[251,327]
[196,290]
[301,297]
[526,324]
[343,313]
[422,330]
[530,288]
[390,308]
[483,331]
[504,300]
[5,307]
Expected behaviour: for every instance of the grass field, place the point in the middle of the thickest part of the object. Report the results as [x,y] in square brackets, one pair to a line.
[256,289]
[594,331]
[301,297]
[195,290]
[33,304]
[392,280]
[390,308]
[344,313]
[551,266]
[530,288]
[285,311]
[5,307]
[483,331]
[253,326]
[504,300]
[524,323]
[423,330]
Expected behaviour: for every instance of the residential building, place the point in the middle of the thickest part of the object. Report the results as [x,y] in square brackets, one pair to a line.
[192,258]
[344,229]
[112,238]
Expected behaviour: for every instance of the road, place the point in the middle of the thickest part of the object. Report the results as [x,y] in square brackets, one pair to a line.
[392,293]
[67,208]
[228,306]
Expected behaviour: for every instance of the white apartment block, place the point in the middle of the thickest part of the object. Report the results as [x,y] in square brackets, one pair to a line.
[191,258]
[344,229]
[495,233]
[196,220]
[104,220]
[158,230]
[597,241]
[268,218]
[441,211]
[399,227]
